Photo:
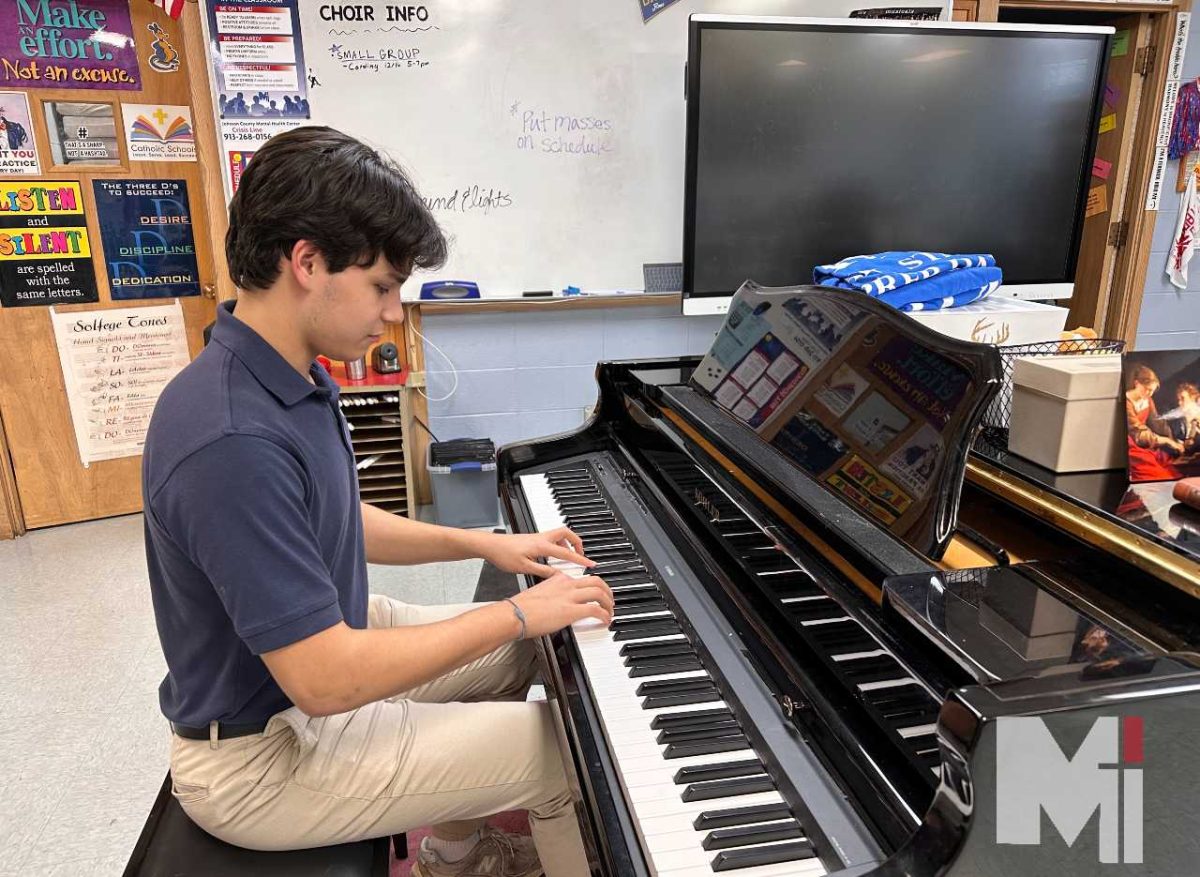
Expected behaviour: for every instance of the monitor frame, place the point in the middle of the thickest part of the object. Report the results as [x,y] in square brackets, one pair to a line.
[694,304]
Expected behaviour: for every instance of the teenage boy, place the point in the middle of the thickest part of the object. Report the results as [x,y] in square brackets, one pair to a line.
[306,712]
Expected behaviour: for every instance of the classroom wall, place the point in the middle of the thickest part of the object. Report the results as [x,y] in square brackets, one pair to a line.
[1170,318]
[527,374]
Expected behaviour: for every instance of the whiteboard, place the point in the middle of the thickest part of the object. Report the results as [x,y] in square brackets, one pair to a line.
[548,137]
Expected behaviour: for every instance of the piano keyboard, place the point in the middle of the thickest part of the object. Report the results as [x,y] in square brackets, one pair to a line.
[895,697]
[701,798]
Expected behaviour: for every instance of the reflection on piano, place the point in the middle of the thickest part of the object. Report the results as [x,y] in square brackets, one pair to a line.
[810,653]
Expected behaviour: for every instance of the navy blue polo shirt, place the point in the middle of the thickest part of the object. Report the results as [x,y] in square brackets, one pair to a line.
[254,534]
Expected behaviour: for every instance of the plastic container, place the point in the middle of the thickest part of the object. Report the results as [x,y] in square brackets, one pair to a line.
[463,484]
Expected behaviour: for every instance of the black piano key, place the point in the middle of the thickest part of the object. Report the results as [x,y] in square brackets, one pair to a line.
[772,560]
[912,716]
[620,578]
[641,592]
[730,816]
[661,701]
[679,720]
[661,664]
[674,686]
[596,529]
[698,732]
[609,552]
[622,635]
[897,697]
[574,521]
[707,791]
[728,838]
[706,747]
[655,649]
[636,624]
[623,609]
[699,773]
[659,669]
[811,610]
[772,854]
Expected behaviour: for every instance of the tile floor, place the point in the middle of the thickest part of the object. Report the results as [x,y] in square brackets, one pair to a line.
[83,747]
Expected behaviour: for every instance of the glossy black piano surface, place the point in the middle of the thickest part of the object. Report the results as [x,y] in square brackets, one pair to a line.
[837,697]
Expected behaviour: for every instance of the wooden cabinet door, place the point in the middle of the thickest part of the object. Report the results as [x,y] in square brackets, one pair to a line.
[52,485]
[1101,240]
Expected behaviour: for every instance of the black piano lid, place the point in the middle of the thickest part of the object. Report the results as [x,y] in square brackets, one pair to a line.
[1005,623]
[874,406]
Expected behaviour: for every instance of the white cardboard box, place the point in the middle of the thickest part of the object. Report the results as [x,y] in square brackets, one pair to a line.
[1067,412]
[998,321]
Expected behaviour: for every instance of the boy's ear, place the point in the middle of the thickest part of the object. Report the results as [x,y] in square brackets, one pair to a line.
[306,263]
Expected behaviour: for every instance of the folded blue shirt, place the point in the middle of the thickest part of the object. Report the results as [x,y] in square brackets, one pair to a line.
[915,281]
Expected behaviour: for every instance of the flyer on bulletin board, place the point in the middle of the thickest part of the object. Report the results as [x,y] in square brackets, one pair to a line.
[146,231]
[18,149]
[49,44]
[115,364]
[45,253]
[259,59]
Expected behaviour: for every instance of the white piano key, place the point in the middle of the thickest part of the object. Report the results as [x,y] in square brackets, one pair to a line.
[887,683]
[804,868]
[856,656]
[918,730]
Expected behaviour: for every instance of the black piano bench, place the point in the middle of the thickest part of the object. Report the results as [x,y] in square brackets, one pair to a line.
[171,845]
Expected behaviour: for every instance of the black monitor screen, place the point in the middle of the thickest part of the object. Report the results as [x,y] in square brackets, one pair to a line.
[809,143]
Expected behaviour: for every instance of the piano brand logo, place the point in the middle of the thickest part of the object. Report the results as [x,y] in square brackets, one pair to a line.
[1034,775]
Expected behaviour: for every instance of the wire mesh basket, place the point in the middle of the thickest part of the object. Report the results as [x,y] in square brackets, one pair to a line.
[996,417]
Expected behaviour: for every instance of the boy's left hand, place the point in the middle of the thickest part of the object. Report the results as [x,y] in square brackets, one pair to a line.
[522,552]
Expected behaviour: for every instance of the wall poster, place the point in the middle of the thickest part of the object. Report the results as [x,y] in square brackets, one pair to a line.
[258,59]
[18,149]
[146,232]
[52,44]
[82,133]
[45,254]
[115,363]
[156,132]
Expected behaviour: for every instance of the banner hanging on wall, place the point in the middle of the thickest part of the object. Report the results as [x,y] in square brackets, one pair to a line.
[146,232]
[53,44]
[45,254]
[115,363]
[18,149]
[259,59]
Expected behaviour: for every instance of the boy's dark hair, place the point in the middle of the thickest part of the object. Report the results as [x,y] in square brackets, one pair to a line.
[320,185]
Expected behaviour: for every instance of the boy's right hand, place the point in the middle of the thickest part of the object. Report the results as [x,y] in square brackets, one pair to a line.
[560,600]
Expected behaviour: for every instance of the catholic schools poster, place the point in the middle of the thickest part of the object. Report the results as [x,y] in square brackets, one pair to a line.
[45,254]
[146,227]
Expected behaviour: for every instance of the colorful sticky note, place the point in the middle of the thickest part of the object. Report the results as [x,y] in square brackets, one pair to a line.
[1112,95]
[1101,168]
[1108,122]
[1097,201]
[1120,44]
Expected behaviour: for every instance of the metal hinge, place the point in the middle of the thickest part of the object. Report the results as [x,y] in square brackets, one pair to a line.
[1117,233]
[1143,61]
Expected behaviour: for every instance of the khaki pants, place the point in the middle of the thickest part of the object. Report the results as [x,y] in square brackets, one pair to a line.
[447,753]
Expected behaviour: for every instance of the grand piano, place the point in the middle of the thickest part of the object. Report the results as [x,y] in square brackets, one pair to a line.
[849,638]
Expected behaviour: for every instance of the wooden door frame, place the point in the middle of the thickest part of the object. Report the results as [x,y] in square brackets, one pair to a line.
[1122,304]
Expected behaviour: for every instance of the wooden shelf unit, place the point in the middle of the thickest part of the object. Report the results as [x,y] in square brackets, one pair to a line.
[380,425]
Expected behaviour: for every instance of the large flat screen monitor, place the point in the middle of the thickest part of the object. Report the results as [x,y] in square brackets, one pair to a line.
[810,140]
